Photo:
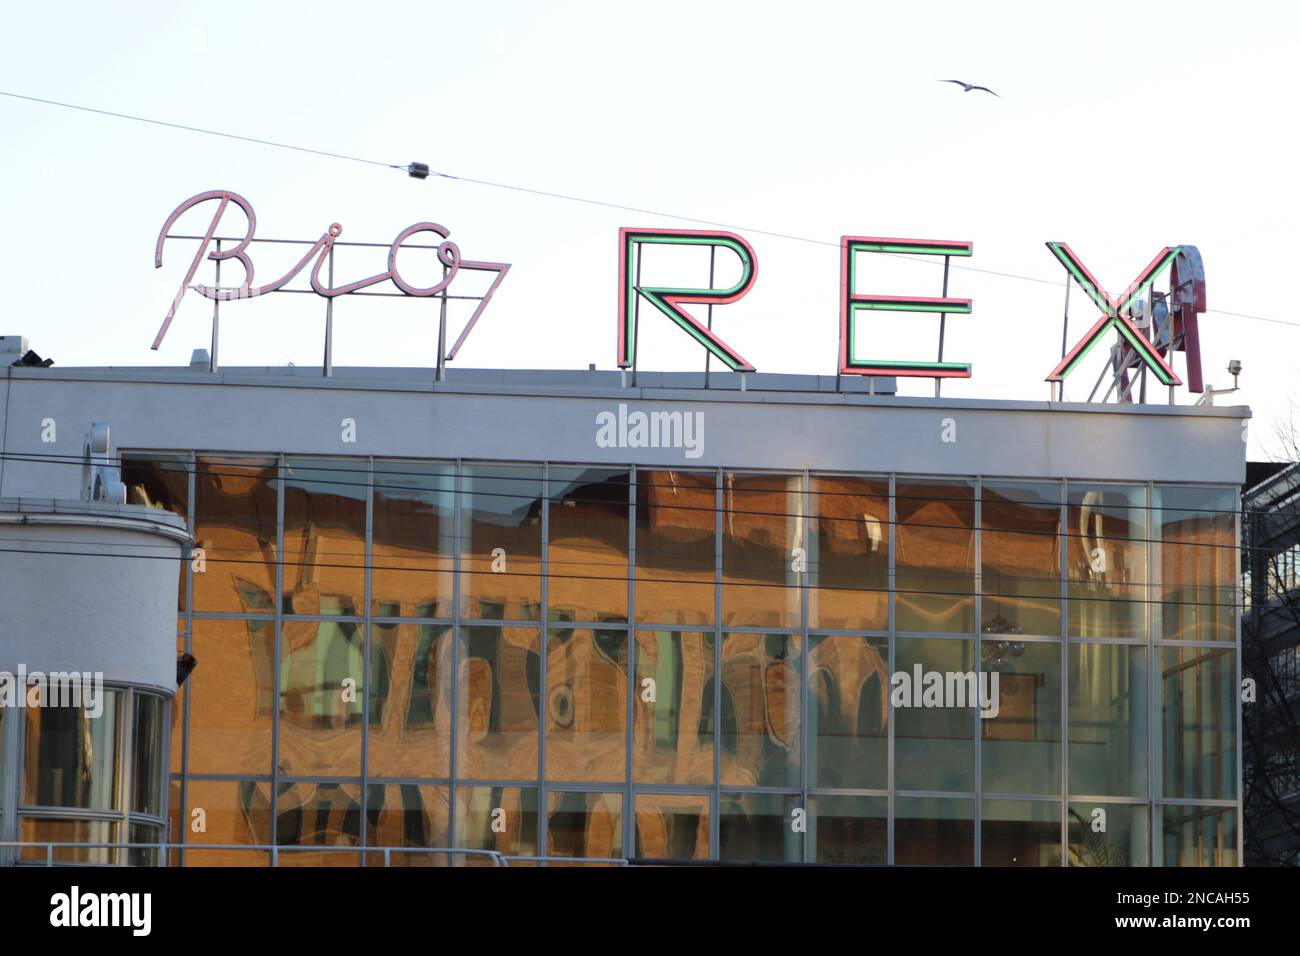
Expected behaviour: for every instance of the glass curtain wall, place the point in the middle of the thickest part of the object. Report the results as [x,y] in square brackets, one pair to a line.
[577,661]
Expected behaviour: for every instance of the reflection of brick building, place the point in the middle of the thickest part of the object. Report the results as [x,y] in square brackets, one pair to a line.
[459,649]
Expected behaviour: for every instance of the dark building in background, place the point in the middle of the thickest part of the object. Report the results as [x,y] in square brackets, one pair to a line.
[1271,657]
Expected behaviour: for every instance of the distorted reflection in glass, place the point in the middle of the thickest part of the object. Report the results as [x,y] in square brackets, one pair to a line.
[1021,558]
[584,825]
[324,535]
[234,524]
[232,697]
[318,814]
[1108,719]
[234,812]
[1020,833]
[147,728]
[848,567]
[49,830]
[673,723]
[1198,836]
[934,745]
[1107,565]
[587,564]
[929,831]
[586,705]
[844,829]
[503,819]
[408,815]
[1197,562]
[935,559]
[672,826]
[501,534]
[761,712]
[1022,741]
[848,681]
[1109,834]
[676,519]
[1197,705]
[71,757]
[414,547]
[758,826]
[763,560]
[499,690]
[160,481]
[322,679]
[410,700]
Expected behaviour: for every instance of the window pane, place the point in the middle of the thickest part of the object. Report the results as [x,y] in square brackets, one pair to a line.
[763,525]
[178,710]
[848,680]
[1022,742]
[232,697]
[584,825]
[499,691]
[414,539]
[759,826]
[672,826]
[410,700]
[160,481]
[72,756]
[848,829]
[932,832]
[673,732]
[1197,563]
[587,551]
[322,675]
[234,812]
[761,677]
[324,535]
[1108,719]
[234,524]
[586,705]
[147,747]
[934,745]
[1021,558]
[1108,834]
[501,527]
[935,562]
[675,525]
[45,830]
[503,819]
[1107,564]
[849,564]
[144,856]
[1198,729]
[309,814]
[408,815]
[1199,836]
[1020,833]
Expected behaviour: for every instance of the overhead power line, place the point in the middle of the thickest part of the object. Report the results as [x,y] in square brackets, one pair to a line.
[423,171]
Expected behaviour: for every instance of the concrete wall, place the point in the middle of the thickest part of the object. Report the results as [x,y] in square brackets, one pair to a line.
[65,607]
[526,416]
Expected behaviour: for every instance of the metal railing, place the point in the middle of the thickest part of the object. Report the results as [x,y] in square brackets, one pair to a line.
[274,853]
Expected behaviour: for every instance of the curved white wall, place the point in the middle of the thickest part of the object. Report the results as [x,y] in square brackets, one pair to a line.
[90,587]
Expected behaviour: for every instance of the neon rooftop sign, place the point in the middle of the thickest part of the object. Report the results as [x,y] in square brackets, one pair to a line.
[1150,326]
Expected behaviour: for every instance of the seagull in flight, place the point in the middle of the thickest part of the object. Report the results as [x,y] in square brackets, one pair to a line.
[967,87]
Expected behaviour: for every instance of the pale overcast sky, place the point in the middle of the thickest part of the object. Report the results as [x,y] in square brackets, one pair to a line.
[1121,128]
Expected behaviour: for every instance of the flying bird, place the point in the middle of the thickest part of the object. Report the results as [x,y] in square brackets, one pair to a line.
[967,87]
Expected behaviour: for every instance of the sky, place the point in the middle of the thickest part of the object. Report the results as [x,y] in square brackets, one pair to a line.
[1119,128]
